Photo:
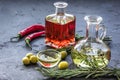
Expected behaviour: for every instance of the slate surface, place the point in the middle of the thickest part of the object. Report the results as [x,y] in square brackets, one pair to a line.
[16,15]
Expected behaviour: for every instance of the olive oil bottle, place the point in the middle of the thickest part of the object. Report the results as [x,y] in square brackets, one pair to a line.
[92,51]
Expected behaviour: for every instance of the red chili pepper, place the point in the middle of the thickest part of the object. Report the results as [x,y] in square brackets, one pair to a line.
[33,36]
[28,30]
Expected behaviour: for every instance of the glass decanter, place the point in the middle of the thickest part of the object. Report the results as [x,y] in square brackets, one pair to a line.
[60,27]
[92,51]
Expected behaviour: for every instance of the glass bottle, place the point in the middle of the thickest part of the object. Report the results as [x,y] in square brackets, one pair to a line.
[60,27]
[92,51]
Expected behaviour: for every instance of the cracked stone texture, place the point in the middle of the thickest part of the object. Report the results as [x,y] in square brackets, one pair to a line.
[16,15]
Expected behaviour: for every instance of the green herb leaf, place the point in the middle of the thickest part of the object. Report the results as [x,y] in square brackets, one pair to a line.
[80,72]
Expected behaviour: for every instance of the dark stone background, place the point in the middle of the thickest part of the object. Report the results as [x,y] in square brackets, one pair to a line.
[16,15]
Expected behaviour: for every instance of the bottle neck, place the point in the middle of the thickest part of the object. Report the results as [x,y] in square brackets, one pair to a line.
[92,27]
[91,32]
[60,11]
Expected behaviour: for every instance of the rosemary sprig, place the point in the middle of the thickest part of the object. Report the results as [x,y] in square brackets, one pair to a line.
[80,72]
[78,37]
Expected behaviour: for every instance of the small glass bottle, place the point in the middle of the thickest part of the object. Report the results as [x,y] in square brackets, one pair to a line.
[60,27]
[92,51]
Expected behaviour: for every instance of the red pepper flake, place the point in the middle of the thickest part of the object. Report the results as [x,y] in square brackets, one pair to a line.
[46,64]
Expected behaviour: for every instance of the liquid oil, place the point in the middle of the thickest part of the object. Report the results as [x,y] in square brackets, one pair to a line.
[60,33]
[49,58]
[91,55]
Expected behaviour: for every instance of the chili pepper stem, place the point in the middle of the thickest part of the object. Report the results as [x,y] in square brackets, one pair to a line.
[15,39]
[28,43]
